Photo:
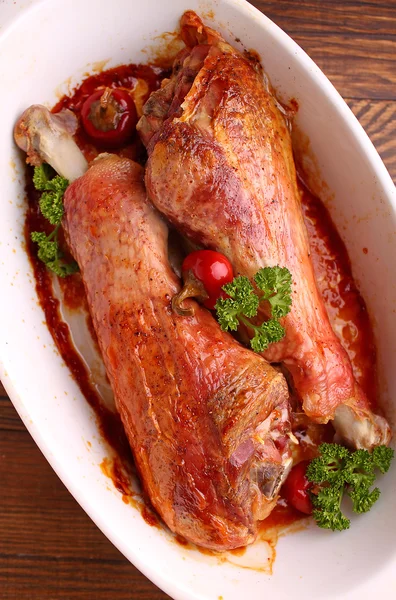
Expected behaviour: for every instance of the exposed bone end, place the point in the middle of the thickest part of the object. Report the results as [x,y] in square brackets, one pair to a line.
[360,431]
[48,137]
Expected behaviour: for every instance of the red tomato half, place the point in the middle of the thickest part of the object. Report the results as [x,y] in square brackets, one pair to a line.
[296,489]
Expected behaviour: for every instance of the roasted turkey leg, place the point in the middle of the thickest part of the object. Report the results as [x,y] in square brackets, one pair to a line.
[221,169]
[207,419]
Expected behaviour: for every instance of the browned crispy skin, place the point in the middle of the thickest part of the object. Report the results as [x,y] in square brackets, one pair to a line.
[221,169]
[207,419]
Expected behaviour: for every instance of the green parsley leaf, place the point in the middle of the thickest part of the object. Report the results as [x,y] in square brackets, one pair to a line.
[51,201]
[241,291]
[227,314]
[51,206]
[50,254]
[41,176]
[329,464]
[363,499]
[275,283]
[267,333]
[327,511]
[62,268]
[243,304]
[47,248]
[382,458]
[337,472]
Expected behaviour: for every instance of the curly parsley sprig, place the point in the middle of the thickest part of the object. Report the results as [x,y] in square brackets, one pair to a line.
[274,287]
[51,206]
[337,472]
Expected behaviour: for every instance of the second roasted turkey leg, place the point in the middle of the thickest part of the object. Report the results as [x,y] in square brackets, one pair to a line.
[207,420]
[221,169]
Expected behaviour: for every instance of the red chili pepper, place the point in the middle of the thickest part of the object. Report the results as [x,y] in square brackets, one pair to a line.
[109,117]
[212,269]
[296,488]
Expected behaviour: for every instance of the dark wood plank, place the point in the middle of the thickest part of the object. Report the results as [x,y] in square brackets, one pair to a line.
[53,577]
[379,120]
[43,495]
[9,419]
[350,17]
[357,67]
[41,555]
[354,43]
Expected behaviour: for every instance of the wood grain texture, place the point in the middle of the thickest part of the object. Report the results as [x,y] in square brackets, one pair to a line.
[49,548]
[358,67]
[354,43]
[378,118]
[350,17]
[9,418]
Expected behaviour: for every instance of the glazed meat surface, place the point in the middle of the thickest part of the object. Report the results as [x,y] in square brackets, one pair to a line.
[207,419]
[221,169]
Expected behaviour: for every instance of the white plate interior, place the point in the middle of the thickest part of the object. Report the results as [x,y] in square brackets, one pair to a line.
[47,47]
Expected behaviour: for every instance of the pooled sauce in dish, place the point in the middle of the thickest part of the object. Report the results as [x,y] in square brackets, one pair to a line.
[109,423]
[344,304]
[143,79]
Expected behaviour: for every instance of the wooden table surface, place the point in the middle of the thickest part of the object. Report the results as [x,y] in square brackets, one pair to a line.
[49,548]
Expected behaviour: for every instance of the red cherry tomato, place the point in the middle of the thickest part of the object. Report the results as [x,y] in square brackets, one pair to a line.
[296,488]
[212,269]
[109,117]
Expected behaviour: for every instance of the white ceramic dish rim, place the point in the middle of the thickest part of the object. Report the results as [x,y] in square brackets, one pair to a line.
[13,387]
